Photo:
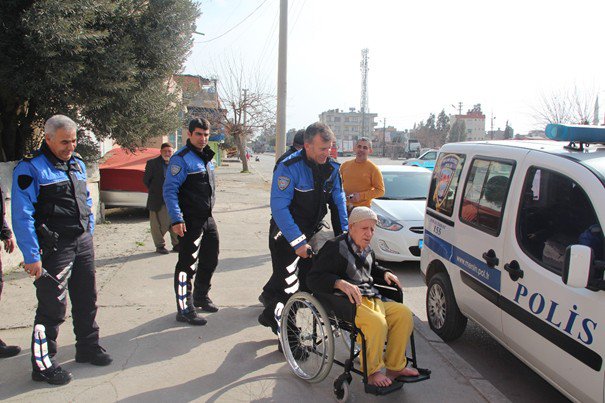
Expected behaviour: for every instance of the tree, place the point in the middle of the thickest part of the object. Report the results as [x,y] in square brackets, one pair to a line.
[443,126]
[104,63]
[457,132]
[476,109]
[248,105]
[508,132]
[565,106]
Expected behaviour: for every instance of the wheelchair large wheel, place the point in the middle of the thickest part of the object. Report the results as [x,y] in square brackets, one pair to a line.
[306,337]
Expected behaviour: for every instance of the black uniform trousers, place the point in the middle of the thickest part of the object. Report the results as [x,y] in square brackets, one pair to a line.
[198,253]
[286,278]
[71,269]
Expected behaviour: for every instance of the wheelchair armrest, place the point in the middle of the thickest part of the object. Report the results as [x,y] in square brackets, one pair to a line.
[391,292]
[339,304]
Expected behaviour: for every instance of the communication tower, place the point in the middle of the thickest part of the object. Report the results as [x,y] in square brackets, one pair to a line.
[364,89]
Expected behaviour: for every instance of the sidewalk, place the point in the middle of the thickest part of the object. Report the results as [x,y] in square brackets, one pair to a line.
[232,358]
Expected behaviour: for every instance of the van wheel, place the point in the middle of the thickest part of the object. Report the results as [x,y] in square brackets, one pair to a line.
[442,310]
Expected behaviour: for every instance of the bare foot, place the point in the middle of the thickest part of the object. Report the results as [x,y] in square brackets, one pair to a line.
[379,379]
[407,371]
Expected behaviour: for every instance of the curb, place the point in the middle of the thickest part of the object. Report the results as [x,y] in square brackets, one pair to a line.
[466,370]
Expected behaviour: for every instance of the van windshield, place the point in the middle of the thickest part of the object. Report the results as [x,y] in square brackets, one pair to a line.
[597,166]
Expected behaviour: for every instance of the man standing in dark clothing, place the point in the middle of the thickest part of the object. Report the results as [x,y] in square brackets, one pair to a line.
[297,144]
[6,236]
[53,223]
[189,192]
[155,173]
[301,184]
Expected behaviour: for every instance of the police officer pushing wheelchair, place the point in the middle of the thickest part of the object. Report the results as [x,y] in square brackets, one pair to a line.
[53,224]
[302,184]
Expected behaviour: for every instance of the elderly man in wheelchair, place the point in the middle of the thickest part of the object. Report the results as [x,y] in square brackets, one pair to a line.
[345,281]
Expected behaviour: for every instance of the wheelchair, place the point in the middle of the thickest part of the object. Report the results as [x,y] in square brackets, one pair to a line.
[309,325]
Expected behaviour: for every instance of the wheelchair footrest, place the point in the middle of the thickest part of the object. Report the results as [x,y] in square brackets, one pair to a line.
[383,390]
[423,375]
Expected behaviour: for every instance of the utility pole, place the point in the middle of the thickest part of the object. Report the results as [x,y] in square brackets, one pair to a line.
[384,136]
[280,124]
[492,126]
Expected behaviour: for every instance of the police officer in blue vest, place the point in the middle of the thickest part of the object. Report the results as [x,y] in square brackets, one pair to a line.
[189,194]
[302,184]
[53,224]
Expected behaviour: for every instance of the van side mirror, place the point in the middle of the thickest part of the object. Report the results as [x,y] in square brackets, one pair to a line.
[581,270]
[576,270]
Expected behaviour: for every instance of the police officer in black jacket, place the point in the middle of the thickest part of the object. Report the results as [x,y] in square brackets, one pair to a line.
[301,185]
[53,224]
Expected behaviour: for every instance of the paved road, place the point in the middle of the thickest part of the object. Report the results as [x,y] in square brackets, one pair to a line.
[507,373]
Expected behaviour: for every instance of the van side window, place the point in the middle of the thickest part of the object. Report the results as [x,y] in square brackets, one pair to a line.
[485,194]
[444,182]
[555,213]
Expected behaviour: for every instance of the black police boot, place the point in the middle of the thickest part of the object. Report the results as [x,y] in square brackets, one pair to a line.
[264,299]
[8,351]
[205,303]
[52,376]
[191,317]
[95,355]
[268,322]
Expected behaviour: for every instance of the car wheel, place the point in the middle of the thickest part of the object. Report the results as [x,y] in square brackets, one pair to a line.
[443,314]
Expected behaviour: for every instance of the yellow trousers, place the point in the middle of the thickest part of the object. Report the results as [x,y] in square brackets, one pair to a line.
[381,322]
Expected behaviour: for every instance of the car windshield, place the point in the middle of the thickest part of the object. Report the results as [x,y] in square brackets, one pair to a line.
[406,185]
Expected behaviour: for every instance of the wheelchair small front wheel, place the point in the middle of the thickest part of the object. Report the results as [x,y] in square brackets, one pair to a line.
[306,337]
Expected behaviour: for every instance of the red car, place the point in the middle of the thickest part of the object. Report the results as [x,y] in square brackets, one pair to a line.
[122,177]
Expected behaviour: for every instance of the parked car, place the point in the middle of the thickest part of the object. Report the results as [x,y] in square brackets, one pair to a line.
[513,240]
[400,211]
[425,160]
[122,177]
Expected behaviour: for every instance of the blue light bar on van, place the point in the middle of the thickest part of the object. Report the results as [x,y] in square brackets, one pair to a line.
[576,133]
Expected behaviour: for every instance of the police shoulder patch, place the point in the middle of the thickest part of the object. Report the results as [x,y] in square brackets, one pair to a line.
[175,169]
[283,182]
[24,181]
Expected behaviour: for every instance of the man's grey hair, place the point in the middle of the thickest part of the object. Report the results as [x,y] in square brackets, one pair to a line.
[367,140]
[57,122]
[322,129]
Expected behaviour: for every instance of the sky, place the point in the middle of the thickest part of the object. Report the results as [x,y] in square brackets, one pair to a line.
[424,56]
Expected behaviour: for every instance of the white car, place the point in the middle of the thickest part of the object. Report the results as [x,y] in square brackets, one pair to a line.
[400,227]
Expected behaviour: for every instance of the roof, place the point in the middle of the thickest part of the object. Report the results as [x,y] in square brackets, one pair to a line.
[593,155]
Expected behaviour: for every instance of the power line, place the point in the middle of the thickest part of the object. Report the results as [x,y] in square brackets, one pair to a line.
[236,25]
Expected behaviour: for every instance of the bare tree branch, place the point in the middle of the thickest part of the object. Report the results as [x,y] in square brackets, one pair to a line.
[249,106]
[565,106]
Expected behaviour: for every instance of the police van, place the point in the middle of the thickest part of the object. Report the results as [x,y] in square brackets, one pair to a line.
[513,241]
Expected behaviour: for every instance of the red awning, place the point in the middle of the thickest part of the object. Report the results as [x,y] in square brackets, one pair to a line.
[123,170]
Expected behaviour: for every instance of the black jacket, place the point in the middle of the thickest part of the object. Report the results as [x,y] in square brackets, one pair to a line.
[155,173]
[337,261]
